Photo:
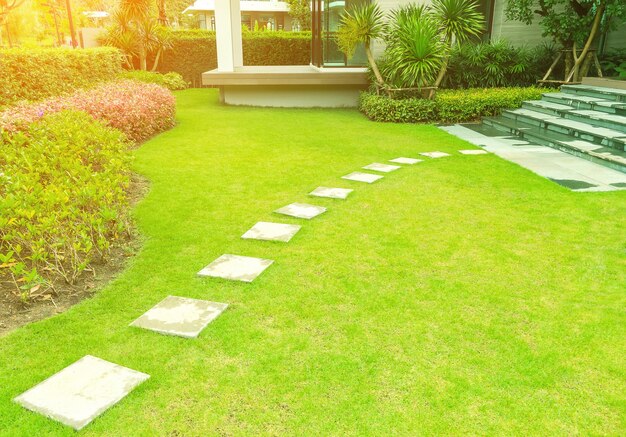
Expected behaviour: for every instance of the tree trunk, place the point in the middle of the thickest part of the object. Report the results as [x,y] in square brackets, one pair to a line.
[592,35]
[143,64]
[157,58]
[442,72]
[568,64]
[162,12]
[372,61]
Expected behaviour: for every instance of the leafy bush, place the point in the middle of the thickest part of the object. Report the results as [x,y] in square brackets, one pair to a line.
[449,106]
[172,81]
[139,110]
[36,74]
[63,199]
[614,63]
[194,52]
[497,64]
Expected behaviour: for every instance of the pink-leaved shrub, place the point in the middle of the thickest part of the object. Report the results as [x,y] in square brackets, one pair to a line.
[140,110]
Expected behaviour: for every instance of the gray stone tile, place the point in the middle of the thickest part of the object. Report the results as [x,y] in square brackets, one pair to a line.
[362,177]
[271,232]
[236,267]
[473,152]
[333,193]
[385,168]
[403,160]
[301,210]
[435,154]
[180,316]
[82,391]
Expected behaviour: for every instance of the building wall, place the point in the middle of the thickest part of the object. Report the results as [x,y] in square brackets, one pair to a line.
[280,18]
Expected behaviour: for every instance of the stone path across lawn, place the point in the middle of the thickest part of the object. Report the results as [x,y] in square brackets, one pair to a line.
[83,390]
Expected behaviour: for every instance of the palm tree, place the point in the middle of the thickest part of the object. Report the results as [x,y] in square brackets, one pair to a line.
[361,24]
[459,20]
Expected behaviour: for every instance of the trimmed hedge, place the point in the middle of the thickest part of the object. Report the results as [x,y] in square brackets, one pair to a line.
[63,200]
[194,52]
[36,74]
[449,106]
[172,81]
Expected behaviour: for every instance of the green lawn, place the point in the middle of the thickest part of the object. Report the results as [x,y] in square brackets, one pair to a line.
[462,295]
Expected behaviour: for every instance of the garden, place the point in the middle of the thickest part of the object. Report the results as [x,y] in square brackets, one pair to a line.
[457,294]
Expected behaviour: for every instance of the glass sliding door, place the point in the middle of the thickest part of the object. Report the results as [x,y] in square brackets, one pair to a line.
[326,18]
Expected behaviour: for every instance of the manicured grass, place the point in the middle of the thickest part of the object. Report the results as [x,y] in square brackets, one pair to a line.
[462,295]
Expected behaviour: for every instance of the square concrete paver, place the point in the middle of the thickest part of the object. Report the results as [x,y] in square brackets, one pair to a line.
[82,391]
[180,316]
[403,160]
[271,232]
[301,210]
[333,193]
[474,152]
[385,168]
[236,268]
[435,154]
[362,177]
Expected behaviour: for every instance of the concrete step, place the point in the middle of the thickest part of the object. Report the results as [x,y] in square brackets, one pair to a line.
[586,102]
[555,109]
[609,157]
[613,94]
[597,118]
[601,136]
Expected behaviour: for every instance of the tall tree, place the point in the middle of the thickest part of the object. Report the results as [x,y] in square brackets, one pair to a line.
[300,13]
[574,24]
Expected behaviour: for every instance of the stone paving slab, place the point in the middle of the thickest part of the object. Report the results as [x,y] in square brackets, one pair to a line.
[362,177]
[236,267]
[570,171]
[82,391]
[385,168]
[473,152]
[301,210]
[271,232]
[435,154]
[180,316]
[333,193]
[403,160]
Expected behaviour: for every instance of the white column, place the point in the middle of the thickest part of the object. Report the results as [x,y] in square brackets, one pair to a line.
[228,35]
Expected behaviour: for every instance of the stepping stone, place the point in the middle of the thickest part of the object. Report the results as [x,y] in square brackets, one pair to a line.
[403,160]
[82,391]
[333,193]
[236,268]
[385,168]
[180,316]
[473,152]
[301,210]
[435,154]
[362,177]
[271,232]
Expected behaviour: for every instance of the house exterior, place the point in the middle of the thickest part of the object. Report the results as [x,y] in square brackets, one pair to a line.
[264,14]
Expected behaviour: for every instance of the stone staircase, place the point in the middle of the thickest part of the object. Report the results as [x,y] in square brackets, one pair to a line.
[583,120]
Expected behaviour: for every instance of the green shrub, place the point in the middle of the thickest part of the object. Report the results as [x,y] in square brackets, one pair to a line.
[613,63]
[35,74]
[172,81]
[449,106]
[383,108]
[194,52]
[63,199]
[497,64]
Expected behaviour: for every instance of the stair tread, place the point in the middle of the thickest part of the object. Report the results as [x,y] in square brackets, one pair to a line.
[549,105]
[577,98]
[603,116]
[572,124]
[595,89]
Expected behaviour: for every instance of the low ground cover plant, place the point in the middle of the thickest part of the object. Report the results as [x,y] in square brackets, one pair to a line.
[139,110]
[172,80]
[39,73]
[63,199]
[449,106]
